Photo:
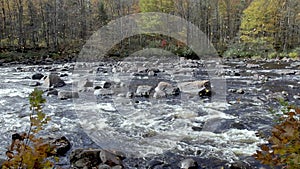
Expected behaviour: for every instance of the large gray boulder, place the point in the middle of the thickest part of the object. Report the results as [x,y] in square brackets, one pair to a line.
[96,158]
[53,80]
[165,89]
[195,87]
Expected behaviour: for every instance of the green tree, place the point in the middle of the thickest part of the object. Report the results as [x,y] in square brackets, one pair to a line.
[166,6]
[259,24]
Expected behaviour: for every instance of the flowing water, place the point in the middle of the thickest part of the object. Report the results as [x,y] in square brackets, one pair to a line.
[228,129]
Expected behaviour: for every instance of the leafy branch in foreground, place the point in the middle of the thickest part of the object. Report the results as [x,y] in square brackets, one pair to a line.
[27,150]
[283,148]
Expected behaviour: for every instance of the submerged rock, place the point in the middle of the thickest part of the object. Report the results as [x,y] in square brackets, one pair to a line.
[34,84]
[67,95]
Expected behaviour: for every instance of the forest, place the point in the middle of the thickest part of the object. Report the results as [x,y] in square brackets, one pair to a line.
[237,28]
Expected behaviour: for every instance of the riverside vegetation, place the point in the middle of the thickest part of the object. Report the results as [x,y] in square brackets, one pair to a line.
[27,150]
[283,147]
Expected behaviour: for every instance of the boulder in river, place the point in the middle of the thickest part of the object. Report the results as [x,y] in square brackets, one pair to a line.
[195,87]
[61,145]
[52,92]
[85,85]
[164,89]
[80,158]
[143,91]
[99,158]
[53,80]
[37,76]
[188,163]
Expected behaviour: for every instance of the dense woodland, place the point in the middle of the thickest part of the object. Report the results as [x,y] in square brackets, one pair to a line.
[242,28]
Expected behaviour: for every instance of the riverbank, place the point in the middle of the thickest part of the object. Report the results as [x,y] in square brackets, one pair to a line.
[46,57]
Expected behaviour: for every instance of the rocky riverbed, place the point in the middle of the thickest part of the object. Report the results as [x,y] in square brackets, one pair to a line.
[159,114]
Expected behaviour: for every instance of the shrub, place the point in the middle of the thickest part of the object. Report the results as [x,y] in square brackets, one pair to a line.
[293,54]
[26,149]
[283,148]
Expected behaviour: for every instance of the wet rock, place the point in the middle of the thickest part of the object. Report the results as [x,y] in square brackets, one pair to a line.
[106,85]
[240,91]
[53,81]
[159,94]
[62,146]
[297,97]
[251,66]
[110,158]
[49,60]
[103,92]
[34,84]
[194,87]
[238,125]
[129,95]
[239,165]
[37,76]
[204,92]
[104,166]
[85,85]
[117,167]
[164,89]
[197,128]
[80,158]
[143,91]
[151,73]
[52,92]
[153,163]
[67,95]
[287,72]
[63,75]
[188,163]
[232,90]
